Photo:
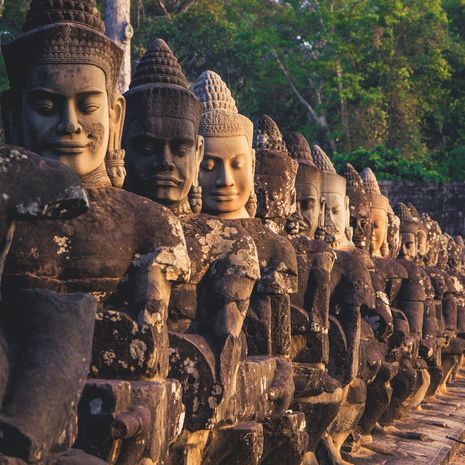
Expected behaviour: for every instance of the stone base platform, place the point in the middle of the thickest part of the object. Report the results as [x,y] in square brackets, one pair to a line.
[421,439]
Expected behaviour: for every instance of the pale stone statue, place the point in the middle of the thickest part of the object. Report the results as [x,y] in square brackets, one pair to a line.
[333,192]
[227,181]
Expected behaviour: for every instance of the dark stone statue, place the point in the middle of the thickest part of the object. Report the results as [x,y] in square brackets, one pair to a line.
[45,337]
[125,251]
[165,154]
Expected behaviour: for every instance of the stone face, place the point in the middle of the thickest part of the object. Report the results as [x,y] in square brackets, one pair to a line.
[239,302]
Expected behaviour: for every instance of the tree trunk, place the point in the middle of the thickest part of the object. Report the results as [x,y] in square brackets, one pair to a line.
[118,28]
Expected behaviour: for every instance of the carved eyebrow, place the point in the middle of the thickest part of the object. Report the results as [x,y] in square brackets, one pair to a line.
[214,155]
[44,90]
[149,135]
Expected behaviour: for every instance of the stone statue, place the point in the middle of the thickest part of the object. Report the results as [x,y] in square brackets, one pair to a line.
[126,250]
[352,295]
[164,157]
[433,341]
[370,232]
[317,395]
[308,184]
[361,208]
[452,301]
[337,215]
[411,384]
[226,178]
[393,234]
[45,337]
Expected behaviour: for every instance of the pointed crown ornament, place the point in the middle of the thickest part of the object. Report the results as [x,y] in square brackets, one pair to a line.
[332,182]
[274,163]
[308,174]
[374,192]
[409,222]
[355,188]
[159,88]
[61,32]
[220,116]
[272,156]
[298,148]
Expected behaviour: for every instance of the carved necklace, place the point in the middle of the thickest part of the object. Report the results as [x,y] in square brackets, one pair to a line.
[98,178]
[182,209]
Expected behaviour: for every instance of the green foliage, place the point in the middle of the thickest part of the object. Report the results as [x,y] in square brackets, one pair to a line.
[378,81]
[390,164]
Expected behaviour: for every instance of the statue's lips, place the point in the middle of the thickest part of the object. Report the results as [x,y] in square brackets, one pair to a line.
[68,148]
[224,196]
[166,180]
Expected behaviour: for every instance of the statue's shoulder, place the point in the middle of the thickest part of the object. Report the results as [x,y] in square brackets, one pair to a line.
[389,268]
[276,249]
[152,223]
[211,240]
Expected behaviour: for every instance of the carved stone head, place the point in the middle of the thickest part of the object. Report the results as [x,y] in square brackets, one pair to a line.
[443,254]
[393,235]
[421,236]
[433,237]
[360,208]
[335,200]
[459,240]
[308,184]
[454,255]
[63,102]
[227,171]
[379,214]
[164,150]
[275,172]
[409,223]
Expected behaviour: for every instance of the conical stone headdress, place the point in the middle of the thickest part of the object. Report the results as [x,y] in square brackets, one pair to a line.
[332,182]
[272,156]
[62,32]
[267,136]
[159,88]
[409,222]
[220,116]
[355,188]
[374,192]
[308,174]
[298,148]
[274,163]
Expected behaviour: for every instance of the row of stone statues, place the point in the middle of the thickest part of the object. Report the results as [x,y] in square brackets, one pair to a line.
[212,291]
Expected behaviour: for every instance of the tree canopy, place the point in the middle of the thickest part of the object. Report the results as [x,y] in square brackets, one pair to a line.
[375,82]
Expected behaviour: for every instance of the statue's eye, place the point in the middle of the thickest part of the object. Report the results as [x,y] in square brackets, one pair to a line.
[90,108]
[208,164]
[144,147]
[237,163]
[180,150]
[44,107]
[307,204]
[89,103]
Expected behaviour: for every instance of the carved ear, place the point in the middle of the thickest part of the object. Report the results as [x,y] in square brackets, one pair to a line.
[347,207]
[200,150]
[10,117]
[117,113]
[199,153]
[252,154]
